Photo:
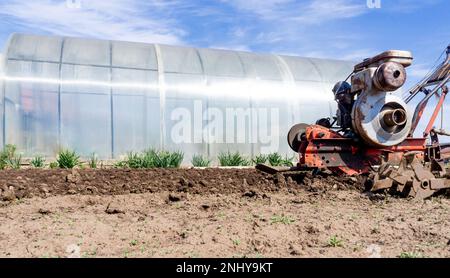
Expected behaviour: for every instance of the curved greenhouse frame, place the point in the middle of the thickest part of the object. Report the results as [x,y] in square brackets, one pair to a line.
[111,97]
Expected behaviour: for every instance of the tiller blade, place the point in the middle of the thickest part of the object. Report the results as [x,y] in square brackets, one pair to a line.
[411,178]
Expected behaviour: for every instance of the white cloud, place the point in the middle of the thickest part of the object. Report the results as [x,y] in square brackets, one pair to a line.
[270,25]
[133,20]
[267,9]
[312,12]
[419,71]
[408,6]
[359,54]
[236,47]
[319,11]
[300,27]
[316,28]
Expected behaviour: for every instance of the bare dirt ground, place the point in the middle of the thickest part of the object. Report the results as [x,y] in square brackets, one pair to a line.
[210,213]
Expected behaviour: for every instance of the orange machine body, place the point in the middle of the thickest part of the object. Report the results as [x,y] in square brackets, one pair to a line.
[322,147]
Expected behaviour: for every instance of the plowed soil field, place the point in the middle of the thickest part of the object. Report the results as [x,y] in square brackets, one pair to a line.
[210,213]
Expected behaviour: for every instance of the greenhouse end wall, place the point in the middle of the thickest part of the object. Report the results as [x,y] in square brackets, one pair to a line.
[112,97]
[2,98]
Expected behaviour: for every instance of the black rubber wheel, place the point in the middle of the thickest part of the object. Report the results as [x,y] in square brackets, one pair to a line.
[295,136]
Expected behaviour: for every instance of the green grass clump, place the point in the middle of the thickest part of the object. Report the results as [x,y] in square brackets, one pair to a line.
[134,161]
[93,161]
[9,159]
[15,162]
[286,220]
[134,242]
[228,159]
[67,159]
[38,162]
[334,241]
[165,159]
[410,255]
[260,159]
[275,159]
[236,242]
[120,164]
[153,159]
[200,161]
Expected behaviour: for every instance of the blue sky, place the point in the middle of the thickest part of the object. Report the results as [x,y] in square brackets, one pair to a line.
[339,29]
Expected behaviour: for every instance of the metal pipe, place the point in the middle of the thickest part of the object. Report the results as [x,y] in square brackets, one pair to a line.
[441,132]
[395,117]
[421,106]
[416,89]
[435,113]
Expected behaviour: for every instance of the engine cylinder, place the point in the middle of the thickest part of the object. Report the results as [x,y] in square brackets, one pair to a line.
[389,76]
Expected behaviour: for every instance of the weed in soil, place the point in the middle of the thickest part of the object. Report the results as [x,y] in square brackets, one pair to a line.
[9,158]
[68,159]
[276,159]
[410,255]
[165,159]
[200,161]
[334,241]
[260,159]
[286,220]
[228,159]
[93,161]
[38,162]
[152,159]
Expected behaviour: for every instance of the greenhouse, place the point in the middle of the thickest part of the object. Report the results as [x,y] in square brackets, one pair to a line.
[112,97]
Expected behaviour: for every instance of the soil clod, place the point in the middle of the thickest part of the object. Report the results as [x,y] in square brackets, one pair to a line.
[8,194]
[250,194]
[173,197]
[44,211]
[113,208]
